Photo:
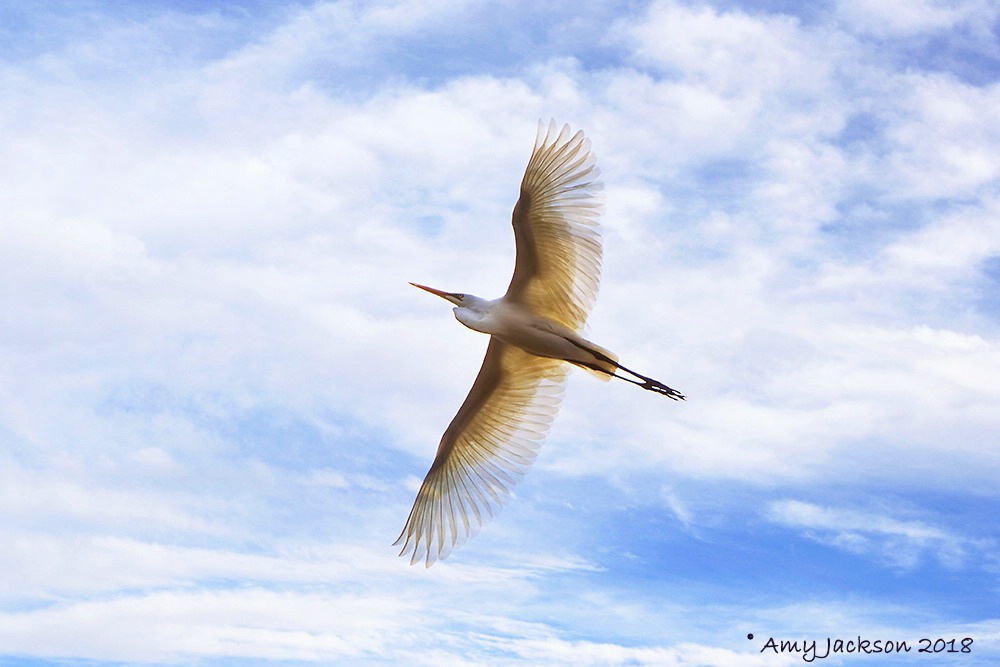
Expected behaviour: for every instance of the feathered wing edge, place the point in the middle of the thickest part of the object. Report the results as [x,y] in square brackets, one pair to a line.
[556,228]
[488,447]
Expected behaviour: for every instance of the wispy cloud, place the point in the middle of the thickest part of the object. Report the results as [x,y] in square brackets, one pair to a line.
[893,19]
[897,542]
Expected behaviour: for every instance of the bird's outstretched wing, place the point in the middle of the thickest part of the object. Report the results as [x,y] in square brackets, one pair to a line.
[558,268]
[486,449]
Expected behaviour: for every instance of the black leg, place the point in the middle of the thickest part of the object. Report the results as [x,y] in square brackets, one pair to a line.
[646,383]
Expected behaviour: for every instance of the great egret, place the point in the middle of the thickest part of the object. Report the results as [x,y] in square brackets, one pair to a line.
[533,331]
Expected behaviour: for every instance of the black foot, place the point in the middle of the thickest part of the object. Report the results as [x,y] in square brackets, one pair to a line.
[660,388]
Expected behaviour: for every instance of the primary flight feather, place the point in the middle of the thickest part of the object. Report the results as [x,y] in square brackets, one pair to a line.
[534,331]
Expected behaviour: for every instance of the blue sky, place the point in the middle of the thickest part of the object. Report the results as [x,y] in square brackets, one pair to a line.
[218,394]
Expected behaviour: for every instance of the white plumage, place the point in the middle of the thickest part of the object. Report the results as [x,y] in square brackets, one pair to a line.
[534,330]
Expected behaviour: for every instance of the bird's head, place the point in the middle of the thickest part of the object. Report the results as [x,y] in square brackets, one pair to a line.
[455,297]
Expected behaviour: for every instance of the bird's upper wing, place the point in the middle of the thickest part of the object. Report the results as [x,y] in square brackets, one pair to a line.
[558,268]
[486,449]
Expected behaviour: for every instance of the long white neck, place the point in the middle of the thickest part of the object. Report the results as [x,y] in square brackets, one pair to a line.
[474,312]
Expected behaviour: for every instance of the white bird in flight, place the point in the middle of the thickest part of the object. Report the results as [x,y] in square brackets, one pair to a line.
[533,330]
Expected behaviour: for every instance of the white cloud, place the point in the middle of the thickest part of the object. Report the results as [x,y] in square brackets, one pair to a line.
[311,603]
[178,625]
[943,137]
[898,542]
[905,17]
[555,651]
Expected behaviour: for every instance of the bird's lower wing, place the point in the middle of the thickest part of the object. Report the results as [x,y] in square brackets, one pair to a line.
[486,449]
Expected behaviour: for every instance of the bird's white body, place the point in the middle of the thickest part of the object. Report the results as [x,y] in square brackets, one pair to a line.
[515,325]
[534,330]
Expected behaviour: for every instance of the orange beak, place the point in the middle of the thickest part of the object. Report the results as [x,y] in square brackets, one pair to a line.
[444,295]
